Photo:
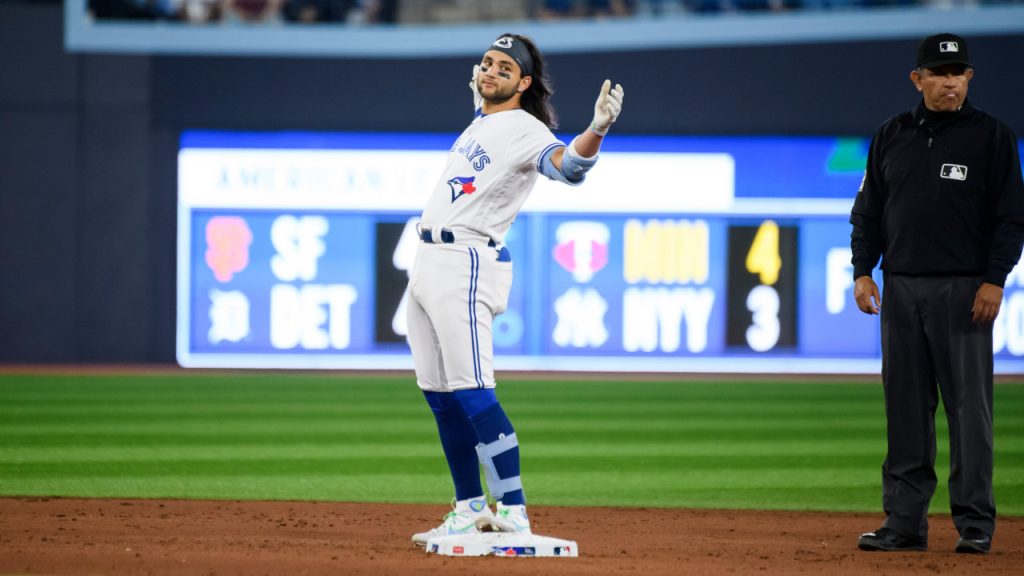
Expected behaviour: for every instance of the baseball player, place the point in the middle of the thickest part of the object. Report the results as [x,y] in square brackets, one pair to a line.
[462,274]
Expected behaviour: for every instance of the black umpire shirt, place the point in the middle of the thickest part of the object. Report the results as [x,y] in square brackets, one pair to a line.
[942,196]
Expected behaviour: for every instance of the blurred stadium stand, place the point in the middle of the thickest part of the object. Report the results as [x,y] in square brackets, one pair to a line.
[421,28]
[463,11]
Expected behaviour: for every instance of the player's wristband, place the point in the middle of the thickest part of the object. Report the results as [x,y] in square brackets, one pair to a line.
[574,166]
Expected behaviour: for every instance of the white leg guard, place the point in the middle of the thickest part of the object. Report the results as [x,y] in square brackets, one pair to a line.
[486,453]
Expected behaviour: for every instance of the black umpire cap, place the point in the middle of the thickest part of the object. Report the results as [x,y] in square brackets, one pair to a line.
[942,49]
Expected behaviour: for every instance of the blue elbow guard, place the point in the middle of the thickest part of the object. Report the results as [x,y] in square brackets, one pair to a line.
[574,167]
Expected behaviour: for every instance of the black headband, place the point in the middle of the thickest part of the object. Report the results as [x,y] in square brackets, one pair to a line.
[517,51]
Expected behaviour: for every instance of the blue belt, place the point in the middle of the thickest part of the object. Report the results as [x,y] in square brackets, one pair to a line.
[448,237]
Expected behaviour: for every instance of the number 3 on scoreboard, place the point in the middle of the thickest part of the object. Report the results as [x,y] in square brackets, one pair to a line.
[763,332]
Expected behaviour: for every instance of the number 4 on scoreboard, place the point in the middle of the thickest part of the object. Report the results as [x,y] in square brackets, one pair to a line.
[763,258]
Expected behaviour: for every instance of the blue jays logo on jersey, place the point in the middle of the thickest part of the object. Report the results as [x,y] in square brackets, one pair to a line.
[461,185]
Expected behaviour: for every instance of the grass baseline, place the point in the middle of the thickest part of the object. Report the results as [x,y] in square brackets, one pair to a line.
[298,436]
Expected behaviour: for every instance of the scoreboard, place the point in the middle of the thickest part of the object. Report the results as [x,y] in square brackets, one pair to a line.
[677,254]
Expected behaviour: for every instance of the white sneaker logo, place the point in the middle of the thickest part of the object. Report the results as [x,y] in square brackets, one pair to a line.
[953,172]
[477,505]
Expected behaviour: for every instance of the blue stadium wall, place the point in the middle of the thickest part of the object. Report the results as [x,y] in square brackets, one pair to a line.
[88,145]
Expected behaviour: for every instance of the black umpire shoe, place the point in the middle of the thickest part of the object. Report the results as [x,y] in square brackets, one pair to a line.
[974,541]
[889,540]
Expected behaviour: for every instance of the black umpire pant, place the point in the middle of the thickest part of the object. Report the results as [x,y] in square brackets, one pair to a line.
[929,339]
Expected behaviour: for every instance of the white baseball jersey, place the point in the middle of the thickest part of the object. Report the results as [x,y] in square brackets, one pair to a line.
[458,286]
[491,171]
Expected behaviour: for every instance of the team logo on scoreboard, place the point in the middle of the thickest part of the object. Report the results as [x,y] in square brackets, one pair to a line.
[229,316]
[227,246]
[461,185]
[582,248]
[954,172]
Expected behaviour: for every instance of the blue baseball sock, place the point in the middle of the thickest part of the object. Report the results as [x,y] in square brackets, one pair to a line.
[458,439]
[493,429]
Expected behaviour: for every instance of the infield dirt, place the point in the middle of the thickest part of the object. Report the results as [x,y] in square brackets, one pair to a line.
[188,537]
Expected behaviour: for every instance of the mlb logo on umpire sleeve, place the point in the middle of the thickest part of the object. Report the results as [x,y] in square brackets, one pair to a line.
[953,172]
[949,47]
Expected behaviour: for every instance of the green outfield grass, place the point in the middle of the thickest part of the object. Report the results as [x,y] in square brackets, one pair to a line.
[799,446]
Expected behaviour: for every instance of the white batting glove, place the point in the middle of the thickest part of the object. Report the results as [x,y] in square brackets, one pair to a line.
[607,108]
[478,100]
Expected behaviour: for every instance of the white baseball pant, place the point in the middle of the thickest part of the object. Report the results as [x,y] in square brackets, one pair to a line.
[455,291]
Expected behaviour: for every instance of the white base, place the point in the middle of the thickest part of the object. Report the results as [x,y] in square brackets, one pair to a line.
[502,544]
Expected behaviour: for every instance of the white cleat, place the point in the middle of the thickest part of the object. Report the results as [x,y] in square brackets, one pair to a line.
[466,518]
[511,519]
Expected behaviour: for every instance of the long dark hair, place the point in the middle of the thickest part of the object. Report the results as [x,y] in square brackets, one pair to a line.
[535,99]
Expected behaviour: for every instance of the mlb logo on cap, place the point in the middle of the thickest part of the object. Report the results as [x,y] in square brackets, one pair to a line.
[942,49]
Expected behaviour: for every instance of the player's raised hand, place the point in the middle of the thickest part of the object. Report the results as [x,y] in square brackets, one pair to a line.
[607,107]
[478,100]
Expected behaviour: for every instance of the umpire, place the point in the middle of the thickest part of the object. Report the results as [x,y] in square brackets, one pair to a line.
[942,203]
